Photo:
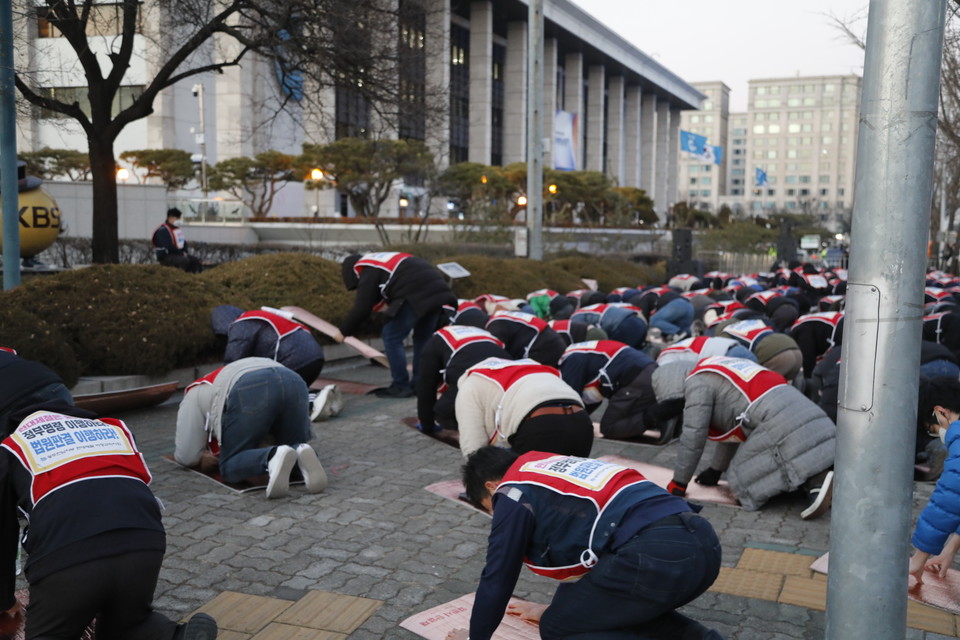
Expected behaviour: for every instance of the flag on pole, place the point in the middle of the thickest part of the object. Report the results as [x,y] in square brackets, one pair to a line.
[712,154]
[692,143]
[761,177]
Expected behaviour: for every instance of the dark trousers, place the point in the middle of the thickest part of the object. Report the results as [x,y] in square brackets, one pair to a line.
[568,435]
[633,591]
[116,591]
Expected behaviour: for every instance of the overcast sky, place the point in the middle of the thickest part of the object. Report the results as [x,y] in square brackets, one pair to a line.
[738,40]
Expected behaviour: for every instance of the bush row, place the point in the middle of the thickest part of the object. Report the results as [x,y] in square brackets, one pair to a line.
[147,319]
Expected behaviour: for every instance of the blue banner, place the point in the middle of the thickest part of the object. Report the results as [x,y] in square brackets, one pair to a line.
[761,177]
[692,143]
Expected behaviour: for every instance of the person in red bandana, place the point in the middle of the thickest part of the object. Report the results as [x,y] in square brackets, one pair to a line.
[638,552]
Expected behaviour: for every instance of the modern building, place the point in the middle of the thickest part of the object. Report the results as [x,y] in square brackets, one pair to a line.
[607,105]
[800,133]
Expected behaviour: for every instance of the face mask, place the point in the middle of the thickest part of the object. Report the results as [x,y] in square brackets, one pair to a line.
[177,223]
[943,436]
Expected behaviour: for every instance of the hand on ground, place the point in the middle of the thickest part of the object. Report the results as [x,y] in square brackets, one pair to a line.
[527,611]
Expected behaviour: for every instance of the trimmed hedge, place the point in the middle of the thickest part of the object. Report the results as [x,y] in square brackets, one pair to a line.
[138,319]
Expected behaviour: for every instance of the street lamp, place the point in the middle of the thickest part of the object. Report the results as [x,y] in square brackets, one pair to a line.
[521,201]
[201,139]
[316,175]
[122,174]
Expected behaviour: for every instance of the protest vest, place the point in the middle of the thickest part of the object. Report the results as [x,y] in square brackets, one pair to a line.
[505,373]
[386,261]
[282,326]
[695,349]
[765,296]
[456,337]
[593,390]
[752,380]
[832,318]
[550,293]
[599,484]
[748,332]
[526,319]
[938,319]
[59,450]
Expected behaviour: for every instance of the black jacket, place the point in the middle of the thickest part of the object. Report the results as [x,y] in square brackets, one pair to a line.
[19,380]
[415,281]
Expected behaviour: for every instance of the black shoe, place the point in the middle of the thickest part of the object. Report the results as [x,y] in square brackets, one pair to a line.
[199,627]
[394,392]
[820,497]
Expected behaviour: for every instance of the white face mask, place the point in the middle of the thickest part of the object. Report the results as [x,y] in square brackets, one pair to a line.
[177,222]
[943,436]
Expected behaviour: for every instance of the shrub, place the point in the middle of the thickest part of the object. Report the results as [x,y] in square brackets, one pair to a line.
[128,319]
[38,340]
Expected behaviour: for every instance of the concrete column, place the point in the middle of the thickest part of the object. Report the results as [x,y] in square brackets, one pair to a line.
[662,168]
[234,116]
[673,151]
[596,128]
[437,48]
[481,80]
[632,138]
[573,97]
[615,129]
[648,147]
[515,95]
[549,97]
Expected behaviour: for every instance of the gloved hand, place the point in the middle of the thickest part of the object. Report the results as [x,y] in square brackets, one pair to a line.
[677,488]
[709,477]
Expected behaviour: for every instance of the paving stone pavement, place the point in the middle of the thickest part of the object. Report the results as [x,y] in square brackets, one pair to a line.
[375,532]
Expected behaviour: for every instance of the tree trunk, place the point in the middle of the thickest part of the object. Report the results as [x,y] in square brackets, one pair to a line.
[103,167]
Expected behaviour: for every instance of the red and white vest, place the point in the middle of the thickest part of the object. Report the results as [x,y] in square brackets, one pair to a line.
[282,326]
[752,380]
[592,393]
[536,323]
[938,319]
[831,318]
[695,349]
[506,373]
[9,350]
[816,281]
[550,293]
[748,332]
[459,336]
[598,483]
[765,296]
[386,261]
[59,450]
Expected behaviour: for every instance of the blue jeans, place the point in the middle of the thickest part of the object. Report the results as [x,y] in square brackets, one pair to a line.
[395,331]
[940,368]
[266,402]
[632,330]
[673,317]
[633,591]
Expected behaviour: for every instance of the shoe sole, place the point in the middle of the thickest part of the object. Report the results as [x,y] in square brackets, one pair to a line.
[200,627]
[314,477]
[279,484]
[320,404]
[822,503]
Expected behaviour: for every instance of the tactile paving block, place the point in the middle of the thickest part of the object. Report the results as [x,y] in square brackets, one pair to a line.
[244,613]
[329,611]
[748,584]
[277,631]
[804,592]
[791,564]
[927,618]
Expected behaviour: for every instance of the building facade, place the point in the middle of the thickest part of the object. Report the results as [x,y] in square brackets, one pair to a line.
[794,150]
[607,106]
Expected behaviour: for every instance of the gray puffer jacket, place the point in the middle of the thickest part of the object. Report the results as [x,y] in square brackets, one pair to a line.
[789,438]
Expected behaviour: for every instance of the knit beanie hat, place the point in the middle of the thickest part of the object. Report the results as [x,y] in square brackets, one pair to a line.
[773,344]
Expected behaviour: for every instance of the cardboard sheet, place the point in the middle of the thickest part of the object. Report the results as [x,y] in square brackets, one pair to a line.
[651,436]
[942,593]
[436,623]
[345,386]
[215,477]
[451,490]
[719,494]
[324,327]
[446,436]
[109,402]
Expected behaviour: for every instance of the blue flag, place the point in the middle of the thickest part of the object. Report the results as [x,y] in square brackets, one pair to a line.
[692,143]
[712,154]
[761,177]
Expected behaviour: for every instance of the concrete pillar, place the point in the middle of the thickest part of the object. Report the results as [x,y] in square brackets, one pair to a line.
[596,128]
[648,146]
[515,95]
[673,151]
[662,168]
[481,80]
[632,138]
[615,129]
[573,99]
[437,49]
[232,93]
[549,97]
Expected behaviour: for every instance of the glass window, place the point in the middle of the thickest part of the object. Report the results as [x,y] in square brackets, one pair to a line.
[774,128]
[809,102]
[793,128]
[739,132]
[794,115]
[757,154]
[705,193]
[774,91]
[804,192]
[737,172]
[708,118]
[736,192]
[738,161]
[693,193]
[759,129]
[706,180]
[841,191]
[771,192]
[694,168]
[694,119]
[761,91]
[773,116]
[791,153]
[772,155]
[791,204]
[829,87]
[790,192]
[807,127]
[824,192]
[825,166]
[826,140]
[824,179]
[826,126]
[692,180]
[828,101]
[806,140]
[707,105]
[760,104]
[773,103]
[793,102]
[804,179]
[737,181]
[791,180]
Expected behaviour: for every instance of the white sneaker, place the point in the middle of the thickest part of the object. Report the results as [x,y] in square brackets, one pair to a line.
[821,497]
[279,468]
[328,403]
[314,477]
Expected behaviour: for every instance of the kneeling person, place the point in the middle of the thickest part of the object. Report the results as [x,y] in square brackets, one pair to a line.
[639,552]
[236,410]
[521,404]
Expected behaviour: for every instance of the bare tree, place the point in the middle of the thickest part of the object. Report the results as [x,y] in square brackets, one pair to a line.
[346,44]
